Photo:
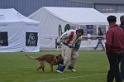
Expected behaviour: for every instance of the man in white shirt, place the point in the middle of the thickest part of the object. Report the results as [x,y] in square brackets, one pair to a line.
[71,41]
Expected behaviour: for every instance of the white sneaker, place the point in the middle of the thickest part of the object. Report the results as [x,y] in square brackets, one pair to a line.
[58,71]
[72,69]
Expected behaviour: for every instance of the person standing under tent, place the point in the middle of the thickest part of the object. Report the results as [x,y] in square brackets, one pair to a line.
[100,38]
[122,60]
[71,41]
[114,49]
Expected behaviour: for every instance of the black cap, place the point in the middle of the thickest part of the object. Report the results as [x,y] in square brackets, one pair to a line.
[111,18]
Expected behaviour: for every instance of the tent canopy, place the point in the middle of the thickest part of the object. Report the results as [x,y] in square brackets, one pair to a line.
[82,16]
[15,30]
[11,15]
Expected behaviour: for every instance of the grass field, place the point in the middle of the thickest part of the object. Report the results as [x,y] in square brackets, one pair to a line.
[16,67]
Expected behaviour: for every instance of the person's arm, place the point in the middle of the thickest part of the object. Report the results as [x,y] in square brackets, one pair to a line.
[109,41]
[77,44]
[63,37]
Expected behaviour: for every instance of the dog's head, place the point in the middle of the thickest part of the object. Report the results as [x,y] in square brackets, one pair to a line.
[59,59]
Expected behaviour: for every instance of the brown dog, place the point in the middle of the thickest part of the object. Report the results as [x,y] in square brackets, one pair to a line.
[49,58]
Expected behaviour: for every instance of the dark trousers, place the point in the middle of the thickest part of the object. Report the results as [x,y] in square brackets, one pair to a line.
[114,60]
[122,67]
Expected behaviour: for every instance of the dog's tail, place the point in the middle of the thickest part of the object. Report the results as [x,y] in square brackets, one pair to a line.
[31,57]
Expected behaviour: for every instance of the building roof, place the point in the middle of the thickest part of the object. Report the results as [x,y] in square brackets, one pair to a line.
[102,1]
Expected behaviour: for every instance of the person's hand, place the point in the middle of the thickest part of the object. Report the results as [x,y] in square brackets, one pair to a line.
[57,43]
[108,51]
[77,47]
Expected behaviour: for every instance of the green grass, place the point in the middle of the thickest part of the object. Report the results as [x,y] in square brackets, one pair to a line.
[16,67]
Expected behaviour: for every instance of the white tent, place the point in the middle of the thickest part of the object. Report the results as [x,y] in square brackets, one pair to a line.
[118,15]
[53,18]
[18,33]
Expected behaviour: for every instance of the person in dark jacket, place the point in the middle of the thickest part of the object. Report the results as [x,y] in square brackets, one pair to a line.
[114,49]
[122,60]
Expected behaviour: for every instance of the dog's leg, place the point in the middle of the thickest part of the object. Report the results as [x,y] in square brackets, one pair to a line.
[51,67]
[38,68]
[43,69]
[42,65]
